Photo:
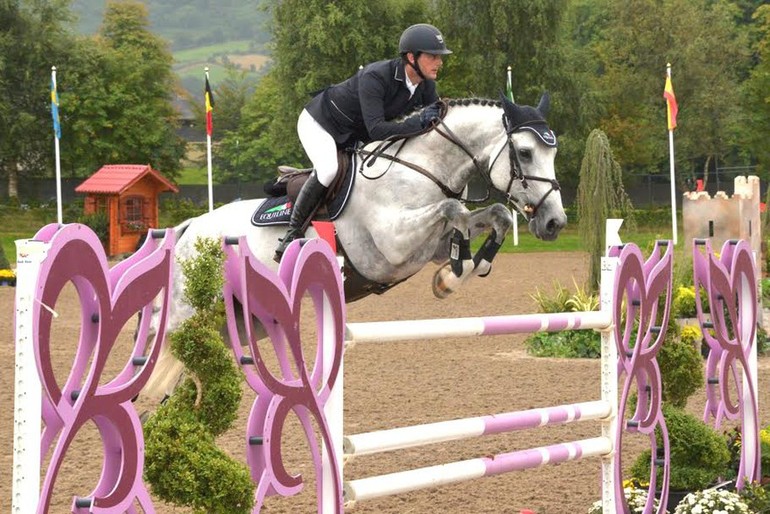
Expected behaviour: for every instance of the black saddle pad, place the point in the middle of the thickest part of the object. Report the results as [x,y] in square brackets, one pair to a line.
[277,211]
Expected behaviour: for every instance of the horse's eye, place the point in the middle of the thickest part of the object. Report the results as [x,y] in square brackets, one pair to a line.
[525,155]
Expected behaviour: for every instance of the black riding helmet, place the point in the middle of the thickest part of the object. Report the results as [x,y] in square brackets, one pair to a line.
[422,38]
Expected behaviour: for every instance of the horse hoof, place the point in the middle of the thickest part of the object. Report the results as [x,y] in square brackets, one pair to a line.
[440,289]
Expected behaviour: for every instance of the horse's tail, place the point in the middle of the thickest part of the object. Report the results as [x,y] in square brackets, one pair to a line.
[168,369]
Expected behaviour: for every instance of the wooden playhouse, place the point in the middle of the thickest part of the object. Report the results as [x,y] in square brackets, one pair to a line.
[128,194]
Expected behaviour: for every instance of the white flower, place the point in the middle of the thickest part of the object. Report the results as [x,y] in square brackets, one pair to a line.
[712,501]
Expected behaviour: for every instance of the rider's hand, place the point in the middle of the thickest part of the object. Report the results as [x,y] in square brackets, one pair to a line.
[429,114]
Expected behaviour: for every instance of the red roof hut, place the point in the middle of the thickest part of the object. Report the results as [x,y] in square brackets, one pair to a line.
[128,194]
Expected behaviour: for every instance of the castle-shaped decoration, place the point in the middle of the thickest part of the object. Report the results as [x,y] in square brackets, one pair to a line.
[723,217]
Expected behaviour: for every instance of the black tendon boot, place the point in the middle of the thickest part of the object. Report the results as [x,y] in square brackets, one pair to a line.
[310,197]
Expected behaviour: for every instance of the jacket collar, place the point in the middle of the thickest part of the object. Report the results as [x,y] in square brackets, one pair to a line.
[399,72]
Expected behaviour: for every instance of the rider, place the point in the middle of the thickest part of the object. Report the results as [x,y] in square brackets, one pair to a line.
[362,109]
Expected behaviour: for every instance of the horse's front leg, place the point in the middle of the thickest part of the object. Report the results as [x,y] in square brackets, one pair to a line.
[462,265]
[498,220]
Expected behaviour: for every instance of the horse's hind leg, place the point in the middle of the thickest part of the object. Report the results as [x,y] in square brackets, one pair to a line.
[461,265]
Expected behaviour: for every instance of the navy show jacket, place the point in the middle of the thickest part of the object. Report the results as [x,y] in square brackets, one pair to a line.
[362,107]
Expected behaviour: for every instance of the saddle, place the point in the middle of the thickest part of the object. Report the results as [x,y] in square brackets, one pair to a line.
[282,193]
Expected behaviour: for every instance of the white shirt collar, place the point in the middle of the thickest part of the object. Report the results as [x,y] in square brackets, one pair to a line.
[411,87]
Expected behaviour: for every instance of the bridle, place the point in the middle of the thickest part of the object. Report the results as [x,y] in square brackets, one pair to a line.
[529,210]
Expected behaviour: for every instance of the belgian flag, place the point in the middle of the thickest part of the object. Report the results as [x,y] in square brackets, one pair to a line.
[209,107]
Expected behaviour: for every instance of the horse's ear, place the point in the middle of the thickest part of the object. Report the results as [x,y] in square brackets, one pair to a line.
[545,104]
[505,99]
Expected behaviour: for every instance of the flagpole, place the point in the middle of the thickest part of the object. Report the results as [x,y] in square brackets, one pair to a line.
[671,170]
[208,156]
[513,210]
[55,97]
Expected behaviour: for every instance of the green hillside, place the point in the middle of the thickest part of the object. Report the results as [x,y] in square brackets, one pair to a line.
[201,33]
[190,24]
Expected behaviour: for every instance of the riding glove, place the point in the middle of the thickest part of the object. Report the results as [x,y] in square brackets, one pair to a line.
[430,113]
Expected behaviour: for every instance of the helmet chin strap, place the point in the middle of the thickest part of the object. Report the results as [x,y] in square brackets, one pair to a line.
[416,66]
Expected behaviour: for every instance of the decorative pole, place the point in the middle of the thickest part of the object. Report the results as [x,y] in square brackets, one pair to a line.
[56,137]
[209,128]
[671,111]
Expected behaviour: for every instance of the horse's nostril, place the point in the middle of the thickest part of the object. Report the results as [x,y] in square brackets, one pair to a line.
[553,226]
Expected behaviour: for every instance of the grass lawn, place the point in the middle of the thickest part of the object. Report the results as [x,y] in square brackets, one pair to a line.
[204,52]
[193,176]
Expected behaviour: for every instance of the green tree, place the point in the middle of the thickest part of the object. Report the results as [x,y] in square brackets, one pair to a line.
[600,196]
[142,118]
[534,38]
[316,43]
[757,101]
[33,38]
[708,52]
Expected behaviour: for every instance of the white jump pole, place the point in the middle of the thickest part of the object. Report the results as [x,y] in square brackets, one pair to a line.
[443,474]
[27,393]
[388,331]
[421,435]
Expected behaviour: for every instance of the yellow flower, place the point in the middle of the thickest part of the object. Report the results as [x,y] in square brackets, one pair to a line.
[7,273]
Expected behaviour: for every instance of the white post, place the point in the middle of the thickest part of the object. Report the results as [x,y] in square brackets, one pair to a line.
[55,98]
[515,227]
[332,411]
[28,396]
[609,368]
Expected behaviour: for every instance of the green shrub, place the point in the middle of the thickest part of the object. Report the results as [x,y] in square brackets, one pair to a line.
[683,303]
[557,302]
[173,211]
[4,264]
[681,366]
[699,455]
[182,461]
[99,223]
[755,496]
[765,287]
[568,344]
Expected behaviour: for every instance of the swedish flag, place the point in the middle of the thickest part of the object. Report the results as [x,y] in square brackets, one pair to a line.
[55,109]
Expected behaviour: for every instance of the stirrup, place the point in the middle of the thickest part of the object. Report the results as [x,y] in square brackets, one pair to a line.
[284,243]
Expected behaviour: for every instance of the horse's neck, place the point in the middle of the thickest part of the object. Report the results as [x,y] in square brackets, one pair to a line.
[476,129]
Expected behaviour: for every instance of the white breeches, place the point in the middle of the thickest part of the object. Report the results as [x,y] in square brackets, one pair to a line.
[319,146]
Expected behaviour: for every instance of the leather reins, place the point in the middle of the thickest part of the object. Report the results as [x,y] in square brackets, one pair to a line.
[528,211]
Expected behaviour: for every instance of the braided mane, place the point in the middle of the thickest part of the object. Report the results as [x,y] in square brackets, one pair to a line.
[453,102]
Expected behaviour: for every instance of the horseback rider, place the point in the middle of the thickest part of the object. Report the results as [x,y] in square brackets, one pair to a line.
[362,109]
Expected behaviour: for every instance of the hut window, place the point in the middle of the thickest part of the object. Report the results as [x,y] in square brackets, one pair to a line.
[133,213]
[133,210]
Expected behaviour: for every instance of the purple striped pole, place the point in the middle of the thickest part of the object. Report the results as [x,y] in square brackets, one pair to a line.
[421,478]
[385,331]
[420,435]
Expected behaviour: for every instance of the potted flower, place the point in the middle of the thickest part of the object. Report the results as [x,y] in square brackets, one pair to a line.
[7,277]
[712,501]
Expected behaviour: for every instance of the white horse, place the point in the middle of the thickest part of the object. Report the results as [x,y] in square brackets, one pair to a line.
[405,208]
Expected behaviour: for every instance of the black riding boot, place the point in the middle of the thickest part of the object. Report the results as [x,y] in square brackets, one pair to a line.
[310,196]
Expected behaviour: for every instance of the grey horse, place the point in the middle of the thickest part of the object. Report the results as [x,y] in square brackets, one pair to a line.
[406,207]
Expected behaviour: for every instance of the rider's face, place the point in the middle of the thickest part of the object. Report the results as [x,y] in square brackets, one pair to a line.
[430,64]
